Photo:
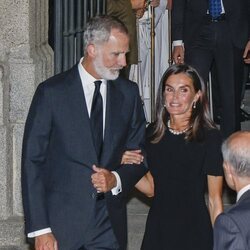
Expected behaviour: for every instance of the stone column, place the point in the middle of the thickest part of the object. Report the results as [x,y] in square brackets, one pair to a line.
[25,60]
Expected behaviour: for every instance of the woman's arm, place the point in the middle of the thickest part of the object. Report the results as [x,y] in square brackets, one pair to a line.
[146,183]
[215,187]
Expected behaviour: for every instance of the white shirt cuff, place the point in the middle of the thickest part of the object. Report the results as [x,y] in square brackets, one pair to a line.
[39,232]
[118,188]
[177,43]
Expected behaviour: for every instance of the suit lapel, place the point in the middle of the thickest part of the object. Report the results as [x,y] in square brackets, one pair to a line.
[113,108]
[81,118]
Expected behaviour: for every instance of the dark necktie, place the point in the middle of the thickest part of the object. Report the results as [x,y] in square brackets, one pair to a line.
[96,118]
[215,8]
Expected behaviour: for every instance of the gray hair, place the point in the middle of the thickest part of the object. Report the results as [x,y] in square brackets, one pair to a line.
[238,156]
[98,29]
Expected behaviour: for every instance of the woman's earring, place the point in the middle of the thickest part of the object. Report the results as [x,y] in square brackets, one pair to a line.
[194,105]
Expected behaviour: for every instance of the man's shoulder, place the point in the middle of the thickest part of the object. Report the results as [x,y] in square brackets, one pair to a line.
[59,80]
[124,84]
[238,210]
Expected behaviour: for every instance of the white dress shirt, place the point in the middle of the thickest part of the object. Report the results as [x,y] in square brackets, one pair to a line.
[242,191]
[88,89]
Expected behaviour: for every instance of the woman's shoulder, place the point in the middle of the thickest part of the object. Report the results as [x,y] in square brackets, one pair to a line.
[212,131]
[213,135]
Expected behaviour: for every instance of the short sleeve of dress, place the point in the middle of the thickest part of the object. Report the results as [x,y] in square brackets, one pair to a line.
[213,160]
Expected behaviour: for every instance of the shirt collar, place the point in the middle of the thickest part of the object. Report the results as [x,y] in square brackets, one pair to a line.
[242,191]
[85,76]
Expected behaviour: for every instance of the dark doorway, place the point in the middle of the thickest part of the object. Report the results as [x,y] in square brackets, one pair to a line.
[67,21]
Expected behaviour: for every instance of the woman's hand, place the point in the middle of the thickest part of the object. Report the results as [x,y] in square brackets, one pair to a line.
[132,157]
[246,55]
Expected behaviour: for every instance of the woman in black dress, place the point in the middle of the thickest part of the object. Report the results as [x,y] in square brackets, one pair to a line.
[184,159]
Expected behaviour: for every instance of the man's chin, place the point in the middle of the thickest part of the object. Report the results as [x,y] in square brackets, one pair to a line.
[113,75]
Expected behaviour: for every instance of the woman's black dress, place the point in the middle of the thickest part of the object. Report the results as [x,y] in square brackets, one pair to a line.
[178,218]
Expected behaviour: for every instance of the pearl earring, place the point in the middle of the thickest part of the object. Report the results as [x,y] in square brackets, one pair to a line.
[194,105]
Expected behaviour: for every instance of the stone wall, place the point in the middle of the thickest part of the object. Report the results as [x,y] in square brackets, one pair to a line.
[25,60]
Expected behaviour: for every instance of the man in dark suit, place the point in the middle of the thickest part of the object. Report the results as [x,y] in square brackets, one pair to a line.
[215,38]
[231,229]
[73,185]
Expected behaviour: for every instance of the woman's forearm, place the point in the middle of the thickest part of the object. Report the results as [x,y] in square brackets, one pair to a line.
[146,185]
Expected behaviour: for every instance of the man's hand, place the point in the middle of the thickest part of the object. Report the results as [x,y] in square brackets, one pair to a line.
[246,55]
[178,54]
[169,4]
[154,3]
[46,242]
[103,180]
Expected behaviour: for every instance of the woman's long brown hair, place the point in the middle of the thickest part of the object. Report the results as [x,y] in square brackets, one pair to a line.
[200,117]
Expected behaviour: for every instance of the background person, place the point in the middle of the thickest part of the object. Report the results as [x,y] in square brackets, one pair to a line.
[231,229]
[127,11]
[202,37]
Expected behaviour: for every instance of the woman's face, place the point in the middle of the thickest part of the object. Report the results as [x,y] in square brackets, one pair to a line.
[180,95]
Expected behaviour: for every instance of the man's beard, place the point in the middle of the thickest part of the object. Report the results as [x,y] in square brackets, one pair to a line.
[104,72]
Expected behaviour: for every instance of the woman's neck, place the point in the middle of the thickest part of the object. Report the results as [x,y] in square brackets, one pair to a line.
[178,123]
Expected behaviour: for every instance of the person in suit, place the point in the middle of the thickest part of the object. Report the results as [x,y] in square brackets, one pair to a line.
[123,10]
[74,187]
[231,229]
[222,39]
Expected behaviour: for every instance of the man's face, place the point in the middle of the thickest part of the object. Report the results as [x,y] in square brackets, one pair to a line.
[111,56]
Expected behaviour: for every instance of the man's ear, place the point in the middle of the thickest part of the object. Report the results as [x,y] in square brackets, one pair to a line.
[91,50]
[227,168]
[230,175]
[229,171]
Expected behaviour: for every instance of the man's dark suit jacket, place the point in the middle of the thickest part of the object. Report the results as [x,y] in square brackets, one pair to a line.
[232,228]
[58,154]
[189,15]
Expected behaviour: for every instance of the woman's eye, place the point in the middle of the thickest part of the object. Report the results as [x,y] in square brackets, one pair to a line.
[168,89]
[184,90]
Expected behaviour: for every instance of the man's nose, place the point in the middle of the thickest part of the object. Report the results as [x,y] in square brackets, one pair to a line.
[122,60]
